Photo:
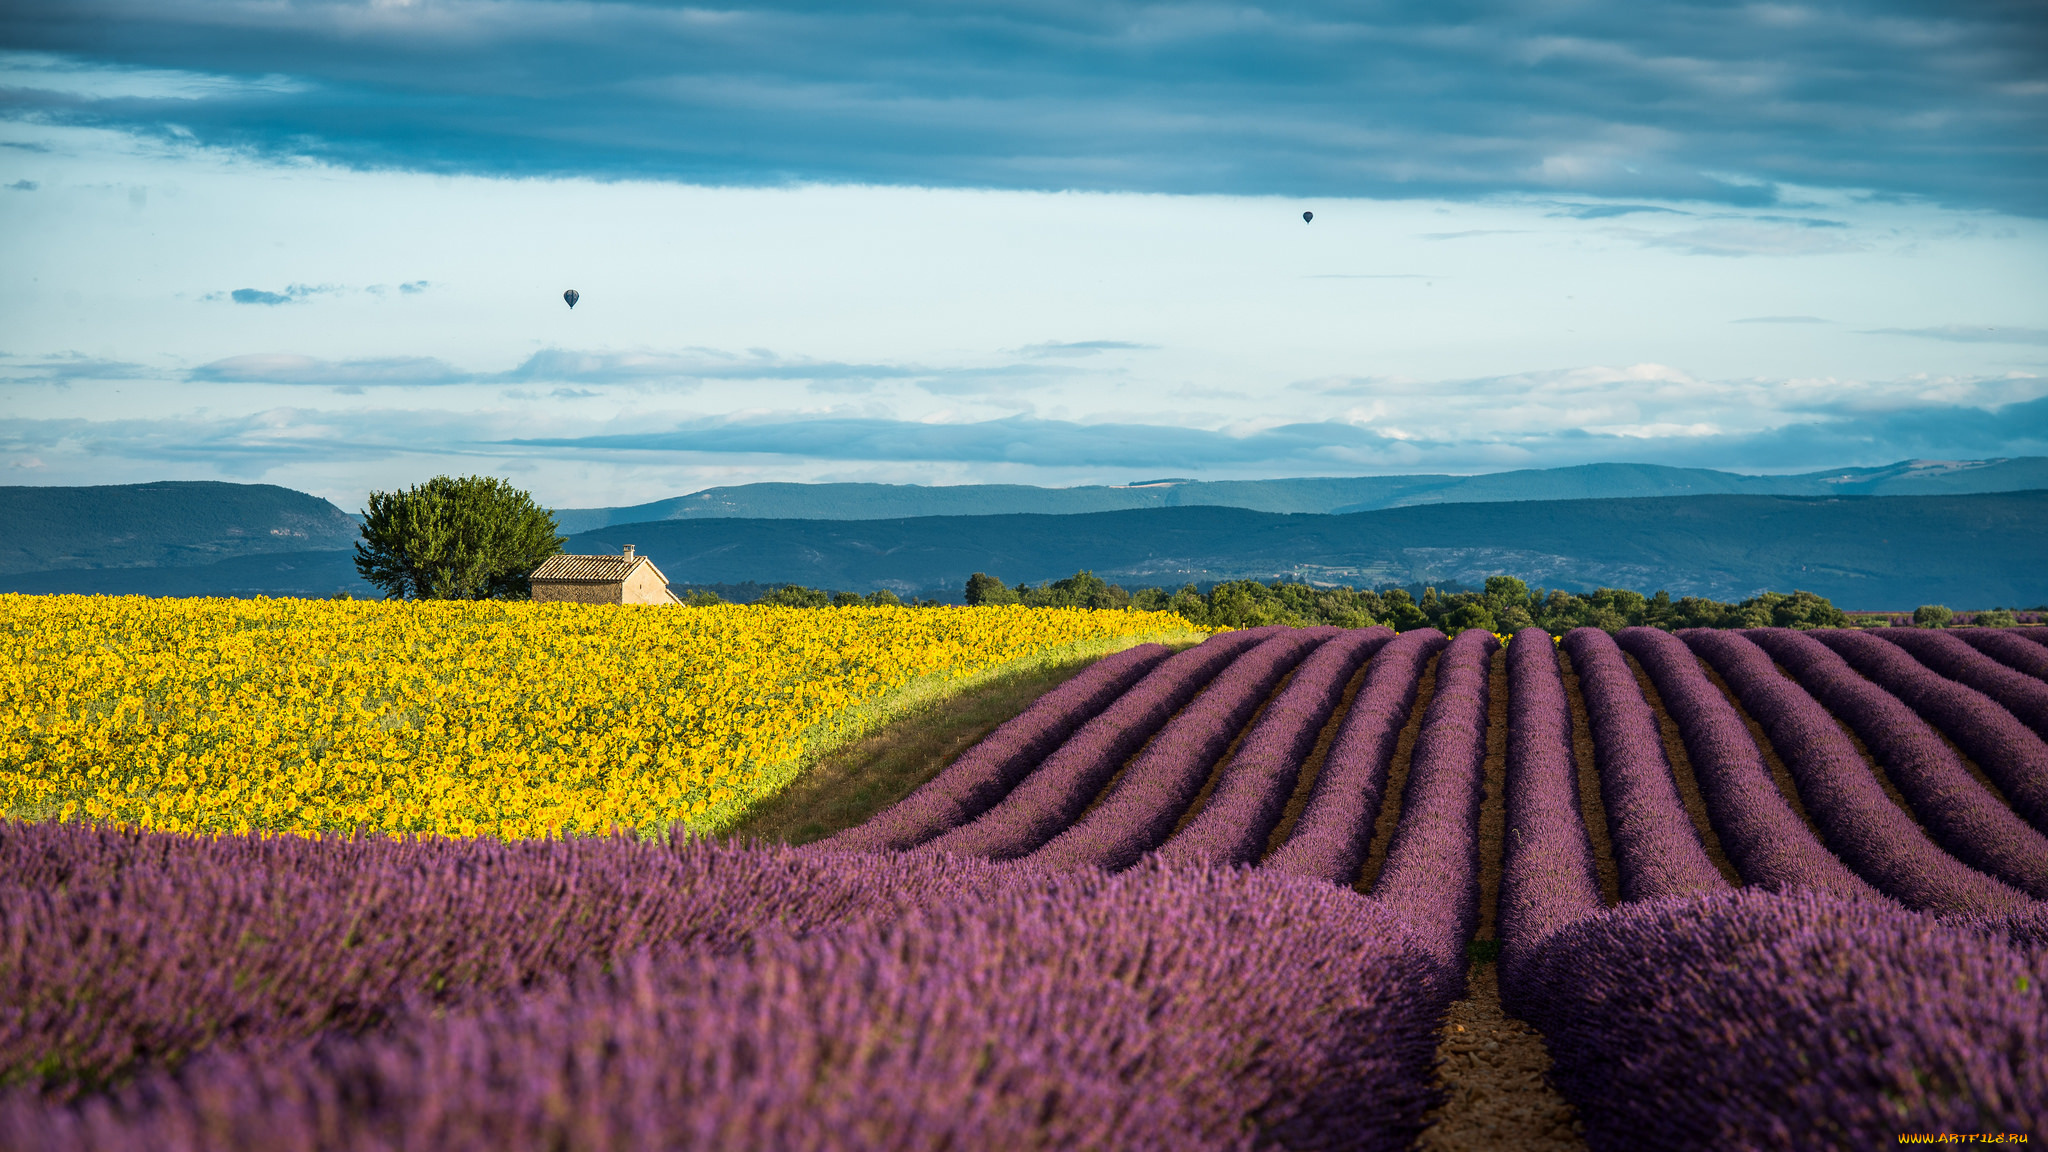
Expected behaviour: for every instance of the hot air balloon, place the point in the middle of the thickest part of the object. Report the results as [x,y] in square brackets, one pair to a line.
[572,296]
[1308,217]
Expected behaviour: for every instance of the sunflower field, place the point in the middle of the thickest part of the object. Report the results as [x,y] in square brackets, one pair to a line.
[463,719]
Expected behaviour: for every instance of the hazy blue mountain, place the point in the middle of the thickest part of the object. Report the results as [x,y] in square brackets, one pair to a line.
[1864,552]
[154,525]
[312,574]
[1309,494]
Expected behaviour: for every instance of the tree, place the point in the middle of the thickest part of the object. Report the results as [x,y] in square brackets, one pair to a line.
[983,588]
[466,538]
[1468,616]
[1931,616]
[796,596]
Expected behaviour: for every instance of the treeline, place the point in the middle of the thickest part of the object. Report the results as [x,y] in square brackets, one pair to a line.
[1505,605]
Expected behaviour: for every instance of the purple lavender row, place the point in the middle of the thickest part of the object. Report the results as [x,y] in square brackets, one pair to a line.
[1044,803]
[1656,849]
[985,773]
[1029,1018]
[1252,793]
[1431,876]
[1334,832]
[1760,834]
[125,949]
[1860,822]
[2009,649]
[1145,804]
[1547,879]
[2021,694]
[1750,1019]
[2037,635]
[2008,751]
[1965,819]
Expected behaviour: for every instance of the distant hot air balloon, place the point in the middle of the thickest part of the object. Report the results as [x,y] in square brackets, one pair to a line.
[1307,217]
[572,296]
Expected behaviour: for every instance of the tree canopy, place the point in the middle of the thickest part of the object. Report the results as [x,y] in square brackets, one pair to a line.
[455,538]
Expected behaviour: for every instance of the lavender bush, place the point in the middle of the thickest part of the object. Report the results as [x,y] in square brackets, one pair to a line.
[1247,802]
[1964,818]
[1656,850]
[124,949]
[1058,1013]
[1547,875]
[1431,878]
[985,773]
[2021,694]
[1046,801]
[2008,648]
[1760,834]
[1143,806]
[1749,1019]
[1860,822]
[1334,832]
[2011,755]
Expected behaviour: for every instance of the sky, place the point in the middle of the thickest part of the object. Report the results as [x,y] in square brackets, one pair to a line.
[324,244]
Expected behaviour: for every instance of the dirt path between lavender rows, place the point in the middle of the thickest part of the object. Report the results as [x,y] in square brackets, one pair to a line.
[1491,1066]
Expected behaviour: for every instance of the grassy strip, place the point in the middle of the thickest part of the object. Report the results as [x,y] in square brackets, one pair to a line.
[868,758]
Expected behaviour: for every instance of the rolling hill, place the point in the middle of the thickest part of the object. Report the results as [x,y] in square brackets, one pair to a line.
[1313,494]
[168,524]
[1863,552]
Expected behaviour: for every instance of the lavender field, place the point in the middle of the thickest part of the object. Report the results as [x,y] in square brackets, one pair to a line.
[1754,890]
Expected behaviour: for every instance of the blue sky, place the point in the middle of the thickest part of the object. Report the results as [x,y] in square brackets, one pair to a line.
[323,244]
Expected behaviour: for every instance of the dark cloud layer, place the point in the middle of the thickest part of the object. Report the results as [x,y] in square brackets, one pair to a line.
[1610,98]
[1326,448]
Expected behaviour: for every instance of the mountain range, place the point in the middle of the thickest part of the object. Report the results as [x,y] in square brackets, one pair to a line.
[1865,552]
[1332,495]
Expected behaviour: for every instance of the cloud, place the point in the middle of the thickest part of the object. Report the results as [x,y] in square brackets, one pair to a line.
[68,367]
[1471,232]
[24,185]
[1605,211]
[291,292]
[1076,348]
[1969,334]
[1754,236]
[1339,447]
[411,287]
[1606,98]
[287,368]
[1018,440]
[565,366]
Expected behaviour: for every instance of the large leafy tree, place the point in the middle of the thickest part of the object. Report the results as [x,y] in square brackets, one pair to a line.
[455,538]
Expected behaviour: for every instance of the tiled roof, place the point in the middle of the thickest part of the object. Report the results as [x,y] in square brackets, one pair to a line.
[608,569]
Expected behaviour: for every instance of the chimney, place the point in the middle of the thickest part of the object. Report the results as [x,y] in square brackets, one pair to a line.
[629,551]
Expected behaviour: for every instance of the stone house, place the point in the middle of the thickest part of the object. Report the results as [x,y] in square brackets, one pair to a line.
[622,579]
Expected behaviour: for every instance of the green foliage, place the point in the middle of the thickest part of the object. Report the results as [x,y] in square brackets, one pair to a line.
[983,588]
[1506,605]
[1931,616]
[701,598]
[1467,616]
[1995,618]
[797,596]
[1083,589]
[455,538]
